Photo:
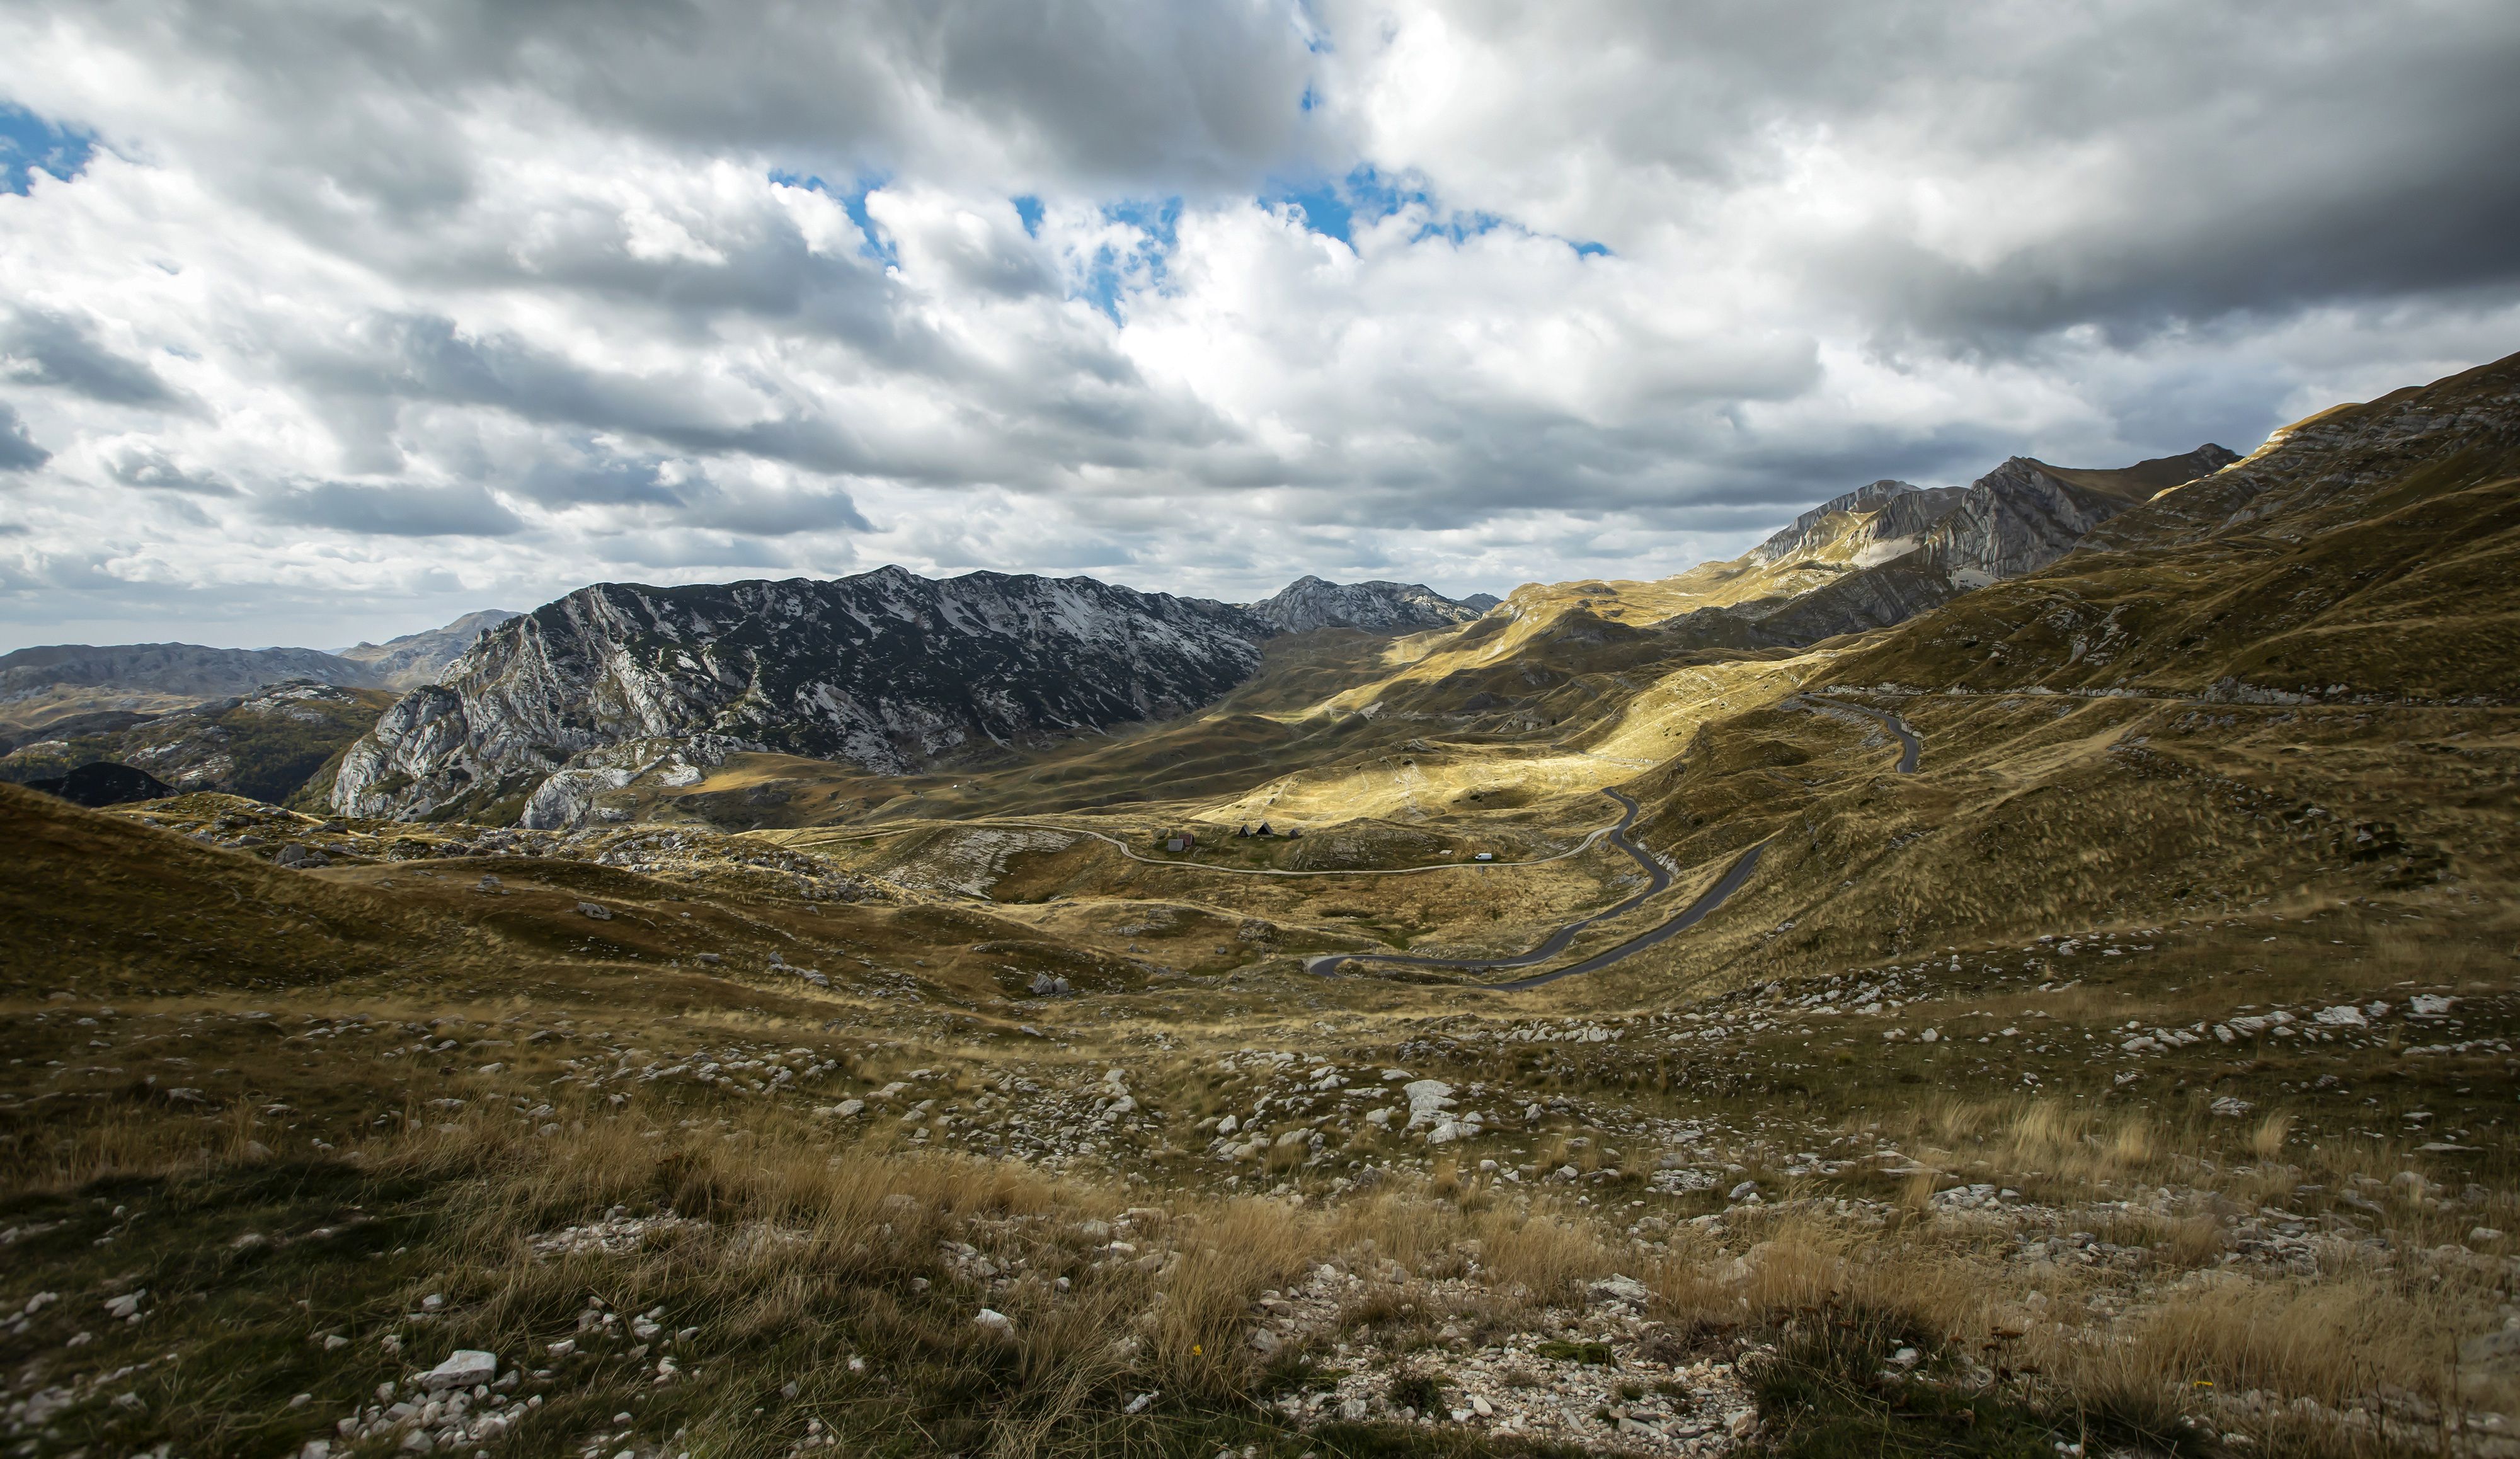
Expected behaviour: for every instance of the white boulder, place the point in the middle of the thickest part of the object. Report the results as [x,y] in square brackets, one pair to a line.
[469,1367]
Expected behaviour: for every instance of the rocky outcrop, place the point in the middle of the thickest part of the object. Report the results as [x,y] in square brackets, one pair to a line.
[1309,602]
[2025,513]
[415,659]
[618,684]
[1878,596]
[1915,507]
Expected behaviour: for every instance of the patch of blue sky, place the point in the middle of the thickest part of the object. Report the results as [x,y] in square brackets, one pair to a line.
[29,142]
[1321,209]
[1113,273]
[1332,207]
[1317,38]
[1028,212]
[872,243]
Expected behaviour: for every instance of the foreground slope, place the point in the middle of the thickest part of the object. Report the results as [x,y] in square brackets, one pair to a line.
[800,1142]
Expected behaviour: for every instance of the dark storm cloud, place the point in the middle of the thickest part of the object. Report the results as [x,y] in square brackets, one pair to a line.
[599,481]
[428,358]
[39,347]
[394,510]
[151,469]
[2194,160]
[773,514]
[18,449]
[1097,91]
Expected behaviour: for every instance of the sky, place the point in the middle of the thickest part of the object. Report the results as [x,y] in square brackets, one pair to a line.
[323,320]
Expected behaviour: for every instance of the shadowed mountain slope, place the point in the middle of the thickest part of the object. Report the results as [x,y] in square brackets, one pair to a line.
[267,745]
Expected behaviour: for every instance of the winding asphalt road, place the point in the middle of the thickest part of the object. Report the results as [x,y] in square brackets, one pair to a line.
[1576,850]
[1557,941]
[1911,748]
[1130,852]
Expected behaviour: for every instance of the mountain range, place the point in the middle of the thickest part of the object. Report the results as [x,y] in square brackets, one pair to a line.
[884,670]
[65,690]
[264,745]
[531,718]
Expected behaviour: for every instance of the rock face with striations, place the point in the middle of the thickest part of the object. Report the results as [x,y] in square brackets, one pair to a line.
[1895,515]
[885,670]
[1309,602]
[2026,513]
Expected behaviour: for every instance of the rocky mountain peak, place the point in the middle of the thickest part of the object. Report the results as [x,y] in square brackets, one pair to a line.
[1909,549]
[888,671]
[1310,602]
[2026,513]
[1897,511]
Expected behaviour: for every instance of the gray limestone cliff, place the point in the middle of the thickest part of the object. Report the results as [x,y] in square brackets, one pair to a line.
[884,671]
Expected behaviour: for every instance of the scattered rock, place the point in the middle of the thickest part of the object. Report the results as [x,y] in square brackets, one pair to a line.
[1427,1098]
[467,1367]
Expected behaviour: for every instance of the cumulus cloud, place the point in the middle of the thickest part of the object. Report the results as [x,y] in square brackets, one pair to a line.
[375,313]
